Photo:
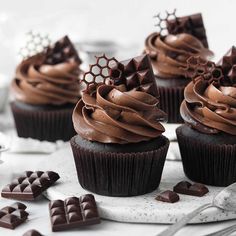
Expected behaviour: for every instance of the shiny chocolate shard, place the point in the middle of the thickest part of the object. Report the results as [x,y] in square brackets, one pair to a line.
[61,51]
[192,24]
[135,73]
[228,66]
[73,212]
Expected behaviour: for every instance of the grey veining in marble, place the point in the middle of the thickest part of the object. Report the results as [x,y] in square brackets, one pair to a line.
[142,209]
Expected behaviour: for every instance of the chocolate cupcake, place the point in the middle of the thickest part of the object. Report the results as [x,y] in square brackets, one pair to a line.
[119,149]
[208,139]
[186,37]
[46,88]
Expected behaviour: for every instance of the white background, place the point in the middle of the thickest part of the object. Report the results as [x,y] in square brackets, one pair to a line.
[124,21]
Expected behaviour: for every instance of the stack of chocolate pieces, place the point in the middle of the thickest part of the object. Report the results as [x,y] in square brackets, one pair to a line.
[192,24]
[135,73]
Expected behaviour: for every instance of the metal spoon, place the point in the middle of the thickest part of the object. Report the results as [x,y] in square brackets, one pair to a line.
[223,232]
[225,200]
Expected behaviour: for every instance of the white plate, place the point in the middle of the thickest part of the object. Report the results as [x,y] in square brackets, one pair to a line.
[142,209]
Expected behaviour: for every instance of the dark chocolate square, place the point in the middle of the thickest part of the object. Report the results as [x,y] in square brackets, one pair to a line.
[196,189]
[192,24]
[135,73]
[12,216]
[73,212]
[168,196]
[29,185]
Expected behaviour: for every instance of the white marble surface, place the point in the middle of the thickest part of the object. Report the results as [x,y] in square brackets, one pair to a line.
[139,209]
[99,19]
[14,164]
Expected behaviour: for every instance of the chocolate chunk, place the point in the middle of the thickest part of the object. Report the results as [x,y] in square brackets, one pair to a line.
[32,232]
[135,73]
[192,24]
[228,65]
[196,189]
[12,216]
[168,196]
[73,212]
[61,51]
[29,185]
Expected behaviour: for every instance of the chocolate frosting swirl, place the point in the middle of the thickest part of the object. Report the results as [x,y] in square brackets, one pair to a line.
[114,115]
[43,84]
[169,54]
[210,108]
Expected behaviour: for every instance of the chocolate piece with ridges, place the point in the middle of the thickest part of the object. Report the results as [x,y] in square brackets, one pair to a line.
[29,185]
[32,232]
[13,215]
[61,51]
[136,73]
[73,212]
[228,65]
[168,196]
[192,24]
[196,189]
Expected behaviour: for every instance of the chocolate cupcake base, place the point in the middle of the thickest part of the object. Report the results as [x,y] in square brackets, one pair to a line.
[49,123]
[171,92]
[208,158]
[119,170]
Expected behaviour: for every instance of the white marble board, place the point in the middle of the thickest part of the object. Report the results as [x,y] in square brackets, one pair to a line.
[140,209]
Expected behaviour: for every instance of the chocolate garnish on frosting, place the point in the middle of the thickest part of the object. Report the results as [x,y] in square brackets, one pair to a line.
[121,111]
[170,51]
[50,77]
[192,24]
[210,101]
[228,65]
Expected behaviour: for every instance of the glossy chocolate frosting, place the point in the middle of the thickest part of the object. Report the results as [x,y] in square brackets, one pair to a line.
[114,115]
[210,108]
[169,53]
[50,77]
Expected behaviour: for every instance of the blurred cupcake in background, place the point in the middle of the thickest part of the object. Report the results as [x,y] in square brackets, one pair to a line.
[46,87]
[178,39]
[207,140]
[4,91]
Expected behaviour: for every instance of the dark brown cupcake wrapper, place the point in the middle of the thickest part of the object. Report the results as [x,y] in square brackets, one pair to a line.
[211,164]
[170,101]
[119,174]
[43,125]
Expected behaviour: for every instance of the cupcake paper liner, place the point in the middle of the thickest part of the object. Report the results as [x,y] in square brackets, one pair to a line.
[119,174]
[170,101]
[211,164]
[49,125]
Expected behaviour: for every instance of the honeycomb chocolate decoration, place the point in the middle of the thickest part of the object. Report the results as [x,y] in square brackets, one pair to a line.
[135,73]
